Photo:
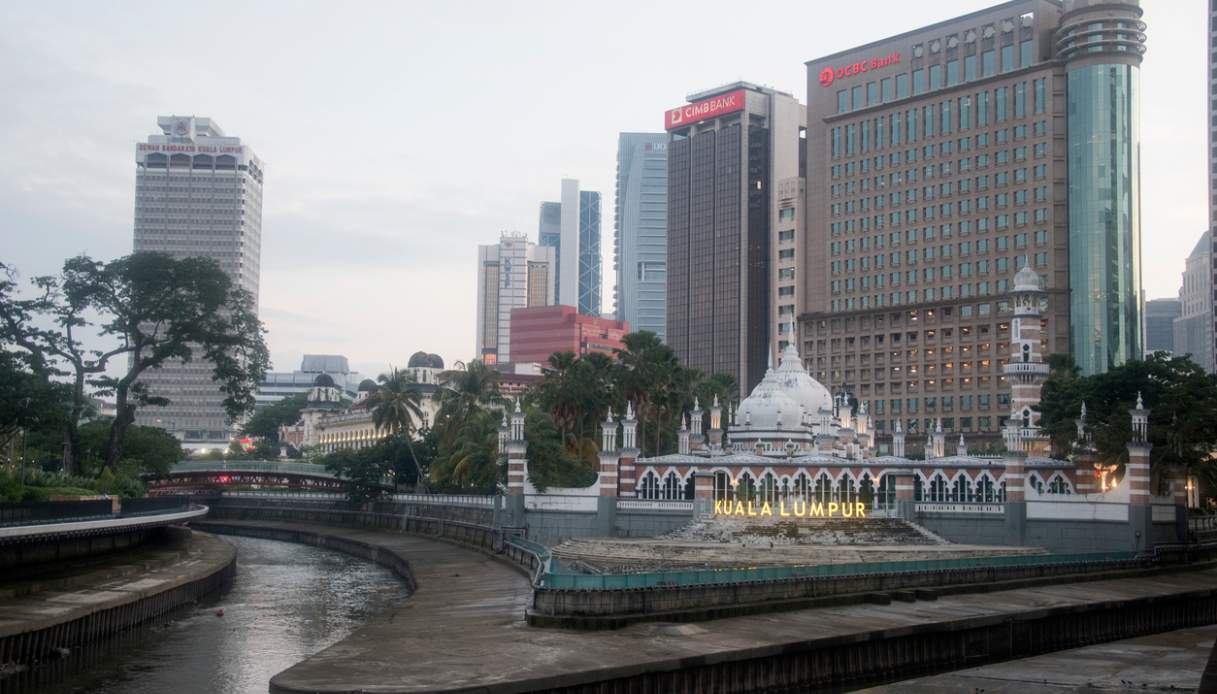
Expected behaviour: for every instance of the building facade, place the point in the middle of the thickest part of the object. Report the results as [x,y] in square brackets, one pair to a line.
[576,240]
[198,192]
[1160,317]
[640,231]
[1194,326]
[538,332]
[285,384]
[513,273]
[1211,100]
[730,150]
[943,160]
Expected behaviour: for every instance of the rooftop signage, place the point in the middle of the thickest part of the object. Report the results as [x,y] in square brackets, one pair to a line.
[797,509]
[713,107]
[831,74]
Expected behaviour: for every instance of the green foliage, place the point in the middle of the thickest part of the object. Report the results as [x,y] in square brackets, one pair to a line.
[265,423]
[1181,397]
[363,470]
[155,309]
[549,465]
[147,449]
[396,406]
[36,485]
[28,401]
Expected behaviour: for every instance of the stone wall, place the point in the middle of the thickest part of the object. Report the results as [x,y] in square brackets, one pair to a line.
[639,523]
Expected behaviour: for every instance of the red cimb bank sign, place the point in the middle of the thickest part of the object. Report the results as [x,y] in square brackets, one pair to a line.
[706,108]
[831,74]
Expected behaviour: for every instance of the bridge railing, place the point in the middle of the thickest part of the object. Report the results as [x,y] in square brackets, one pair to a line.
[294,468]
[21,513]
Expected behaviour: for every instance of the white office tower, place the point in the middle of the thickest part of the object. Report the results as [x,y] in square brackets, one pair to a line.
[197,193]
[513,273]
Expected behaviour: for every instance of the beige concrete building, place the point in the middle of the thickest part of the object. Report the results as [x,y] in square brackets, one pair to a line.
[938,164]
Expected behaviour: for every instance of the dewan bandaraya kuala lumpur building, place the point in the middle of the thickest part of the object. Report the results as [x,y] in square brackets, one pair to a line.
[198,192]
[942,160]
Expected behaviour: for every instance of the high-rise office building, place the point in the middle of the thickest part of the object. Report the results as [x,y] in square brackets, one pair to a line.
[640,233]
[944,160]
[576,239]
[549,233]
[1211,100]
[1160,317]
[1194,326]
[734,165]
[197,193]
[513,273]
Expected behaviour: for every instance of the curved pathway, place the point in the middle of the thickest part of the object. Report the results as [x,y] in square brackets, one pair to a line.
[463,628]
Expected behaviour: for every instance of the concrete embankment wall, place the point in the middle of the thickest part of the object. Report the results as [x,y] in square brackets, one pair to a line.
[118,608]
[60,549]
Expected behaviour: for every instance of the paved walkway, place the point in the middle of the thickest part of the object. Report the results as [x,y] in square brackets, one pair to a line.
[1170,662]
[463,628]
[118,581]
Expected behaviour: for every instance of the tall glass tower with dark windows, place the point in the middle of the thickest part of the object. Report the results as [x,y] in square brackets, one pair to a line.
[640,234]
[1101,44]
[572,228]
[589,253]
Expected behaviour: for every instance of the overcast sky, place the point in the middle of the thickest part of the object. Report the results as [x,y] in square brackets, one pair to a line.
[398,136]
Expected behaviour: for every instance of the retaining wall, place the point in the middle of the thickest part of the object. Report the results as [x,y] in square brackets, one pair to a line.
[38,642]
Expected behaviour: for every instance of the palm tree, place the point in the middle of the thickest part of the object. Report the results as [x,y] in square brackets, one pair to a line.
[396,409]
[649,370]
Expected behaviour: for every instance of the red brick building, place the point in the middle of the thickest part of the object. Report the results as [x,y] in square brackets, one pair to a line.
[539,331]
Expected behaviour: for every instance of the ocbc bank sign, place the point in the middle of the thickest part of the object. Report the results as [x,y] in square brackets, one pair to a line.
[831,74]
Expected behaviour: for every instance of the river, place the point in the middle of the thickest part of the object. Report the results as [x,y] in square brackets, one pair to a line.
[288,602]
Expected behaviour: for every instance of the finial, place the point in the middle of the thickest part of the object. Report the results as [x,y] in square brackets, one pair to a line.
[684,422]
[608,416]
[938,426]
[517,405]
[1083,415]
[715,401]
[504,419]
[696,404]
[629,410]
[961,442]
[1140,405]
[898,429]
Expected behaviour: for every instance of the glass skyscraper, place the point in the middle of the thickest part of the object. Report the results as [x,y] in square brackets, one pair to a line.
[1102,46]
[640,235]
[572,228]
[589,253]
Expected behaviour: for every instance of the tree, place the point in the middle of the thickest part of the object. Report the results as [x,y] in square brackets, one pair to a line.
[28,401]
[649,371]
[1181,397]
[149,449]
[364,472]
[396,407]
[265,423]
[158,309]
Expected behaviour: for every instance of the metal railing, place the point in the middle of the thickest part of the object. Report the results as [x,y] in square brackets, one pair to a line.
[23,513]
[484,501]
[285,495]
[543,557]
[294,468]
[1202,523]
[716,576]
[654,505]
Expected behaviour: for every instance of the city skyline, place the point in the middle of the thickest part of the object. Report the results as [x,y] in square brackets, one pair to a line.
[383,226]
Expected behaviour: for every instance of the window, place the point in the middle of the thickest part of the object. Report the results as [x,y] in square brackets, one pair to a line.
[786,254]
[842,101]
[935,77]
[918,81]
[1020,99]
[1025,56]
[1038,89]
[982,113]
[902,85]
[872,93]
[786,214]
[856,97]
[1007,58]
[885,87]
[969,68]
[987,67]
[952,72]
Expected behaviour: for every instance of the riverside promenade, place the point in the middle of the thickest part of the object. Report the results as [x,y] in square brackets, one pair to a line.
[463,629]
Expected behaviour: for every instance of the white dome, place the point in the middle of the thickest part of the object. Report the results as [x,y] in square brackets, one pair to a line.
[761,408]
[799,384]
[1026,280]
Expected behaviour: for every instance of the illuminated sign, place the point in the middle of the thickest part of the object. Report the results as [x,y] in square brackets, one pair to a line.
[797,509]
[831,74]
[706,108]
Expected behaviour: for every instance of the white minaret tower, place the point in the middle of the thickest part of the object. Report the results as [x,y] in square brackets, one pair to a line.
[1026,370]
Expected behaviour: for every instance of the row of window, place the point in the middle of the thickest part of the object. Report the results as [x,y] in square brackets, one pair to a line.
[944,148]
[938,119]
[934,77]
[915,296]
[915,236]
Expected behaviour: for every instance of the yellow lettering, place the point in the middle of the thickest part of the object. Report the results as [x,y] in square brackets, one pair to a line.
[718,507]
[832,509]
[750,511]
[817,510]
[860,511]
[782,509]
[739,508]
[766,510]
[847,510]
[800,508]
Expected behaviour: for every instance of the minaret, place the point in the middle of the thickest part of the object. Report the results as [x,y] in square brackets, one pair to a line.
[716,428]
[940,440]
[682,437]
[898,441]
[626,475]
[1026,370]
[696,437]
[517,467]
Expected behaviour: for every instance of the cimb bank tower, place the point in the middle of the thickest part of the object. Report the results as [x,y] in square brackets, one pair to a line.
[939,163]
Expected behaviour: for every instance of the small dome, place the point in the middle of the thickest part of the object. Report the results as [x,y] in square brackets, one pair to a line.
[419,359]
[323,381]
[437,362]
[367,385]
[1027,280]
